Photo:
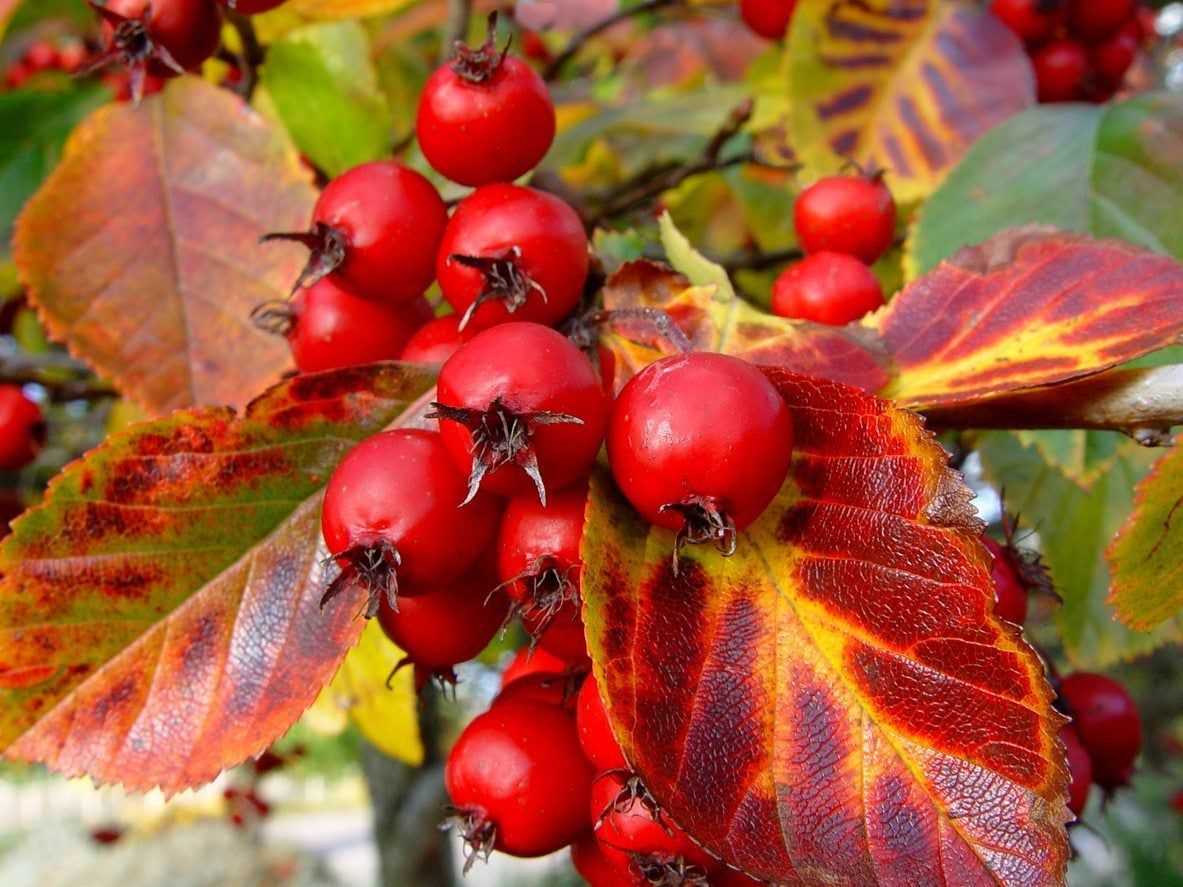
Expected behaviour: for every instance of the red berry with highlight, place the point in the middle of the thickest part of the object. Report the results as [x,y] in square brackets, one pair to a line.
[830,288]
[161,35]
[1107,720]
[1110,60]
[1060,68]
[518,780]
[538,662]
[22,428]
[1080,770]
[854,215]
[768,18]
[1009,591]
[486,117]
[435,341]
[512,253]
[595,730]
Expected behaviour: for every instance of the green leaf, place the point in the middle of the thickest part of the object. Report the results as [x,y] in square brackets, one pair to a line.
[33,128]
[32,11]
[1074,528]
[685,259]
[1081,456]
[1108,170]
[324,88]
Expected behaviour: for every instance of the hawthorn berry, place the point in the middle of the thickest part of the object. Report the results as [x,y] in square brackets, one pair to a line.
[392,517]
[486,117]
[1107,721]
[41,56]
[1060,68]
[700,443]
[22,428]
[556,689]
[440,625]
[1032,21]
[1093,20]
[768,18]
[161,38]
[512,253]
[595,730]
[597,869]
[328,327]
[375,229]
[518,780]
[1110,59]
[564,637]
[636,835]
[854,215]
[527,662]
[826,287]
[1080,770]
[1010,592]
[519,405]
[435,341]
[251,7]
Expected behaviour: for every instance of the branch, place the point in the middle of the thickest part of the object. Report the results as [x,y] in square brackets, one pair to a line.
[1144,404]
[252,55]
[551,71]
[459,17]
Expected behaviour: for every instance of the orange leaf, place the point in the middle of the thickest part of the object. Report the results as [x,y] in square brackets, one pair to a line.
[141,249]
[835,703]
[1027,308]
[159,612]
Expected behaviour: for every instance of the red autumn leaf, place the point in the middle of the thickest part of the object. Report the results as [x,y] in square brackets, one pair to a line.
[1027,308]
[835,703]
[159,612]
[141,250]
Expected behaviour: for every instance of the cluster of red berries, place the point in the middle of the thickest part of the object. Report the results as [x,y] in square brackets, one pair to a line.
[843,224]
[768,18]
[1105,735]
[1081,49]
[45,55]
[541,770]
[22,428]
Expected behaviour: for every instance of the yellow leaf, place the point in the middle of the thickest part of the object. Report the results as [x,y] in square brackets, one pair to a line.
[333,9]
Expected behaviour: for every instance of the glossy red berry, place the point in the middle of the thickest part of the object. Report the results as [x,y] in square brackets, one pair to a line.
[392,517]
[1080,770]
[328,327]
[526,662]
[830,288]
[595,731]
[512,253]
[435,341]
[636,836]
[768,18]
[162,38]
[854,215]
[1033,21]
[251,7]
[700,443]
[486,117]
[1106,718]
[375,229]
[556,689]
[1111,59]
[1093,20]
[22,428]
[518,780]
[440,625]
[1060,68]
[521,408]
[596,869]
[1009,590]
[564,637]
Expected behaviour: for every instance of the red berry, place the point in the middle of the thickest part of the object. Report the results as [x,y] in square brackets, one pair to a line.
[1110,60]
[1080,770]
[1094,20]
[526,662]
[376,229]
[555,689]
[518,780]
[1033,21]
[392,515]
[564,637]
[830,288]
[636,836]
[700,443]
[846,214]
[594,867]
[512,253]
[434,342]
[18,75]
[1107,720]
[440,625]
[72,56]
[251,7]
[1060,67]
[41,56]
[108,834]
[1177,801]
[22,429]
[486,117]
[595,730]
[160,37]
[768,18]
[520,407]
[1010,593]
[327,327]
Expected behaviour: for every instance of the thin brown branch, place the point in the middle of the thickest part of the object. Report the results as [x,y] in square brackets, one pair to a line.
[252,55]
[1144,404]
[572,49]
[456,29]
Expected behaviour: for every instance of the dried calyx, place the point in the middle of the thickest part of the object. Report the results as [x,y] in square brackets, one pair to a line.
[703,520]
[370,566]
[479,64]
[505,281]
[327,247]
[130,46]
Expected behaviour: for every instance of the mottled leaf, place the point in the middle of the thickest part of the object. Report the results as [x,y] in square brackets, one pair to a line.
[1112,170]
[836,702]
[1147,556]
[159,612]
[141,250]
[906,85]
[1027,308]
[324,86]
